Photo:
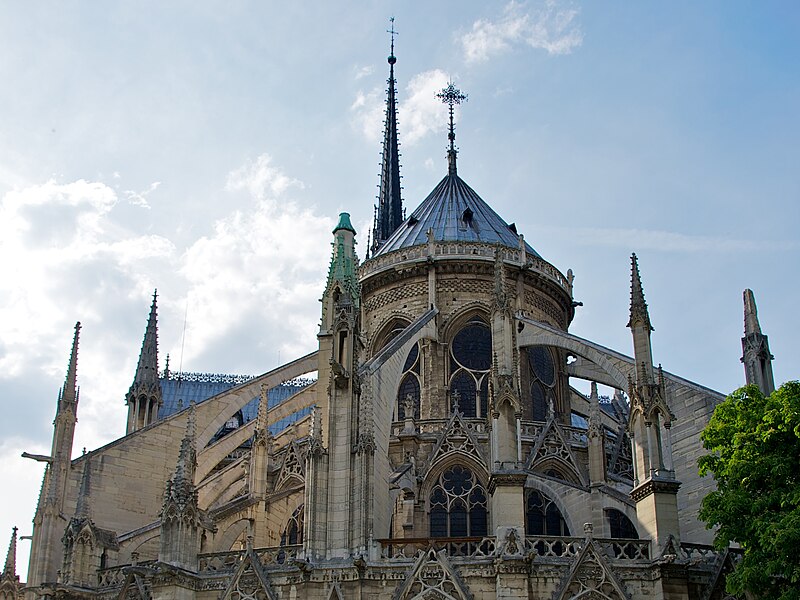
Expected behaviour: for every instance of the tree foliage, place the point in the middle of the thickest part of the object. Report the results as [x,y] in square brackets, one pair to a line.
[755,458]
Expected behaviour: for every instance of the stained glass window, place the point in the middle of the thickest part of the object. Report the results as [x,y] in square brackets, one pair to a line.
[470,360]
[542,380]
[458,506]
[620,525]
[293,533]
[409,385]
[542,516]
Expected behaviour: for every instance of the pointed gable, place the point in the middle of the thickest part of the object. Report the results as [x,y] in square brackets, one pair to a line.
[293,466]
[456,438]
[552,448]
[591,578]
[249,581]
[432,576]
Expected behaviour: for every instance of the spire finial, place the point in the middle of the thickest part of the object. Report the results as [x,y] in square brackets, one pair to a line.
[10,570]
[69,394]
[83,508]
[389,213]
[451,96]
[751,324]
[639,312]
[393,33]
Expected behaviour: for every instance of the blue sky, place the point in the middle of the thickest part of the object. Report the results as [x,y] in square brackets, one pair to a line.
[205,148]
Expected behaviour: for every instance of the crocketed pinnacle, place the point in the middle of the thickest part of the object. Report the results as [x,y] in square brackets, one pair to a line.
[83,506]
[389,213]
[68,395]
[10,569]
[183,480]
[751,324]
[262,416]
[639,312]
[343,269]
[146,378]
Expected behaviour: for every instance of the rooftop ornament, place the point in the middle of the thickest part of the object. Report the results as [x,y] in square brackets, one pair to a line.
[451,96]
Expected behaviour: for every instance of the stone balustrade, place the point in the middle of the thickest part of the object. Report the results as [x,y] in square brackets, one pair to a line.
[461,251]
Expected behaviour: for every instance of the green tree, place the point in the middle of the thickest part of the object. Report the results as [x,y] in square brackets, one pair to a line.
[755,458]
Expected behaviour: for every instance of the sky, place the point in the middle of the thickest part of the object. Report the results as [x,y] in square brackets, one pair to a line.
[206,148]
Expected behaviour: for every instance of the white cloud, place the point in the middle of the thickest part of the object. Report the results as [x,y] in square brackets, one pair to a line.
[419,112]
[261,269]
[139,198]
[363,72]
[549,27]
[260,178]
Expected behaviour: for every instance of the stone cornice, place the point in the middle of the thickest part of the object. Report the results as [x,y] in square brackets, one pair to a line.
[655,486]
[507,479]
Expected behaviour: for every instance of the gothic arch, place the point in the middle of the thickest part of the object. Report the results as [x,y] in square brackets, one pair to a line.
[532,483]
[142,548]
[566,470]
[536,334]
[389,323]
[453,324]
[450,460]
[231,534]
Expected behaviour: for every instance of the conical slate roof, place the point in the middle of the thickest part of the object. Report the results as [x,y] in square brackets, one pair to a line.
[455,213]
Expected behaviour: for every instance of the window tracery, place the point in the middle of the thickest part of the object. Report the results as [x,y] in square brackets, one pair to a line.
[620,525]
[470,360]
[293,532]
[542,516]
[542,381]
[408,394]
[458,505]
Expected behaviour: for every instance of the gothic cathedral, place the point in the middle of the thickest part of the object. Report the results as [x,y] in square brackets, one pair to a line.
[431,447]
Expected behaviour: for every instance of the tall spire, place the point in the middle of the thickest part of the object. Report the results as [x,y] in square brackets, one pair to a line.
[147,369]
[640,326]
[389,213]
[144,397]
[751,324]
[451,96]
[756,356]
[68,396]
[639,312]
[10,569]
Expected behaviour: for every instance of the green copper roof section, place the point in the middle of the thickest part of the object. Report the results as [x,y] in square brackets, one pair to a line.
[343,269]
[344,223]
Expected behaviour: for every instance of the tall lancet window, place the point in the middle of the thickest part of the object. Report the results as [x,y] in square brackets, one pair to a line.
[409,391]
[470,360]
[293,533]
[542,377]
[542,516]
[458,505]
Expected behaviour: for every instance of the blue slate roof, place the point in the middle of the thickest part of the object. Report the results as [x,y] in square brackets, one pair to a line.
[179,389]
[454,212]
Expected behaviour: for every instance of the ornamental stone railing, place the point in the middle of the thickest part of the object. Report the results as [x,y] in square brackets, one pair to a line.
[464,547]
[556,548]
[465,250]
[568,547]
[113,577]
[228,561]
[476,426]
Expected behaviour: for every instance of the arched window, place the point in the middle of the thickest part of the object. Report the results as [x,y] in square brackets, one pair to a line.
[542,516]
[458,505]
[470,359]
[620,525]
[293,533]
[408,393]
[542,377]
